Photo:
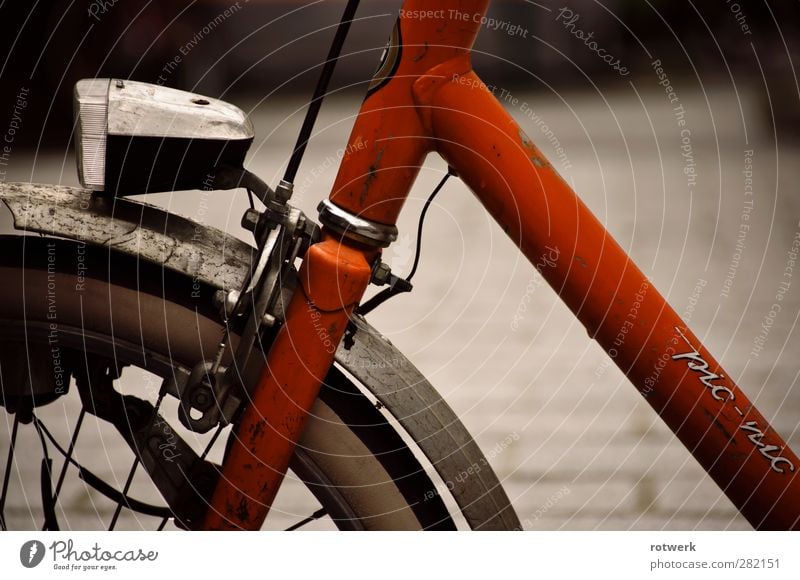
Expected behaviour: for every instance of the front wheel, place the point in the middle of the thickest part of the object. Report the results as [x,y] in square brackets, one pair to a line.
[66,308]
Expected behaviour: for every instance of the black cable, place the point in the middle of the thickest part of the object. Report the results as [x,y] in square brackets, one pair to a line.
[394,290]
[423,213]
[228,177]
[320,91]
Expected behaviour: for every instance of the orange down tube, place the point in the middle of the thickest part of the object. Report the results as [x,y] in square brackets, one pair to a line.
[612,298]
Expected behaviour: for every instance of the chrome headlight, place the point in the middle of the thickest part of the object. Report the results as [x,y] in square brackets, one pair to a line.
[134,137]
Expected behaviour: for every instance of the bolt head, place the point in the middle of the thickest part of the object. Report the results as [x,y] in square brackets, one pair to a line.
[202,398]
[381,274]
[250,219]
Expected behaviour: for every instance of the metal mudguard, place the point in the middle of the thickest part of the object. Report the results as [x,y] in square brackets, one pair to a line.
[432,424]
[223,261]
[130,227]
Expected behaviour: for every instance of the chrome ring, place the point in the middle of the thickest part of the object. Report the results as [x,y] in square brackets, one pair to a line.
[354,227]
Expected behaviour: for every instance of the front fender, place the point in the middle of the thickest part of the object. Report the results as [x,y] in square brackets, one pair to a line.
[130,227]
[218,259]
[433,426]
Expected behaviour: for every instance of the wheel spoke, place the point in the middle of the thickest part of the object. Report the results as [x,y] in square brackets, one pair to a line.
[70,450]
[214,438]
[7,475]
[315,516]
[124,493]
[117,497]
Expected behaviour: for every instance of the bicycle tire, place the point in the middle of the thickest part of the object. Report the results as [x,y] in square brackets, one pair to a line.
[136,312]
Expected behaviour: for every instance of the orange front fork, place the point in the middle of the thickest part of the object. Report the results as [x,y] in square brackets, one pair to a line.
[332,280]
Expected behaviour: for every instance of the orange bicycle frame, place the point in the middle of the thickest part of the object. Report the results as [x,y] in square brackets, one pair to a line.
[425,98]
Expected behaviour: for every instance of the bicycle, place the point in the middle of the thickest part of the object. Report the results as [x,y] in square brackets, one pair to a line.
[242,337]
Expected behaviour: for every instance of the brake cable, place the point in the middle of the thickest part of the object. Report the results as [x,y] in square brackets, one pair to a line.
[319,92]
[401,285]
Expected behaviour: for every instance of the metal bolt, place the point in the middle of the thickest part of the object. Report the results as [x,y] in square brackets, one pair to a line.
[381,274]
[250,220]
[202,398]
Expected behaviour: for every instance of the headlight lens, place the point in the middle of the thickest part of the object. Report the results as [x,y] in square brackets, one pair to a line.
[91,114]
